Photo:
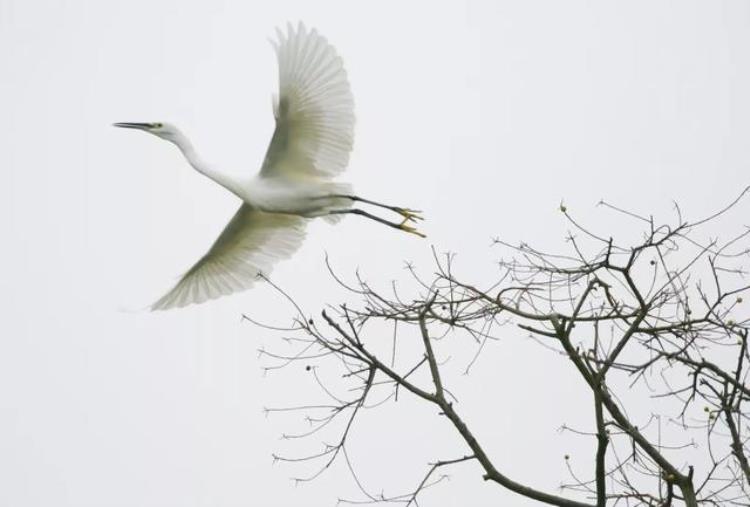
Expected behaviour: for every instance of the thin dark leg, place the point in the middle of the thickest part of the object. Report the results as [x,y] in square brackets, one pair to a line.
[408,214]
[402,226]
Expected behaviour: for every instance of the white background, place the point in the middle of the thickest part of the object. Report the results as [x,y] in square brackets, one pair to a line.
[483,114]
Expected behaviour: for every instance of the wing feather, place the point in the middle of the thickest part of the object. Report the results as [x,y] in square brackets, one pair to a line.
[314,112]
[251,243]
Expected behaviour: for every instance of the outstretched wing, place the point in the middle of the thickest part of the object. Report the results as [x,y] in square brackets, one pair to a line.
[314,111]
[250,243]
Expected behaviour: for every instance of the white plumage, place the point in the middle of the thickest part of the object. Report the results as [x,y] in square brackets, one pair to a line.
[314,110]
[311,144]
[250,244]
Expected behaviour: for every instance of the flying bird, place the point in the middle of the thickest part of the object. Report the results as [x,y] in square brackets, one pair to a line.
[310,146]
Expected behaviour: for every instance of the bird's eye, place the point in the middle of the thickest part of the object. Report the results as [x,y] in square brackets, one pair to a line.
[158,125]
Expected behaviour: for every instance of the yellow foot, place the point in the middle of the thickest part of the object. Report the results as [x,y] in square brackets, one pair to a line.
[410,215]
[411,230]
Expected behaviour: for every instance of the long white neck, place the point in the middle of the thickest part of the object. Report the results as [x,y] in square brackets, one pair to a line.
[200,165]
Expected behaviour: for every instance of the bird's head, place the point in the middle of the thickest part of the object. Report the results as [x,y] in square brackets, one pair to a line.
[166,131]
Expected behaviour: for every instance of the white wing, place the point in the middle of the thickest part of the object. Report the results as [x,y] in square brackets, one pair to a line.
[250,243]
[314,112]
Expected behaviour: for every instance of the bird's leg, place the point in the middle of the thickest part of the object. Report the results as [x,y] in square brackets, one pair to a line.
[409,215]
[400,226]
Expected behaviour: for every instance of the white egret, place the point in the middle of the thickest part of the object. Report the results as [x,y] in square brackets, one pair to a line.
[314,113]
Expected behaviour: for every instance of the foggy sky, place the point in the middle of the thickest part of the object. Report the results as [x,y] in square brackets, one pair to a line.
[485,115]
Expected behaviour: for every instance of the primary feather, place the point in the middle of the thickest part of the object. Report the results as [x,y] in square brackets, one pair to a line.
[250,244]
[314,111]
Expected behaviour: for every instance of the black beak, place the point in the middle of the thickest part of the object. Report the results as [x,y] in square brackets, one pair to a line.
[139,126]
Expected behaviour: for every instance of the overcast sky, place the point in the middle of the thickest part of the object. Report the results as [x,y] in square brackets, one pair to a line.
[485,115]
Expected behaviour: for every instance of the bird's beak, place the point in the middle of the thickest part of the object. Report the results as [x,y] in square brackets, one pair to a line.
[139,126]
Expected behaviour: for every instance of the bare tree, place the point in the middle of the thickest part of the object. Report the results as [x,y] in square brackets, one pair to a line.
[663,314]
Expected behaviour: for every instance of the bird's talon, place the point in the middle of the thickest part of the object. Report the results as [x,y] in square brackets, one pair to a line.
[410,229]
[410,215]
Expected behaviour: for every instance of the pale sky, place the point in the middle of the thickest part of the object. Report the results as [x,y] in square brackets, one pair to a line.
[483,114]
